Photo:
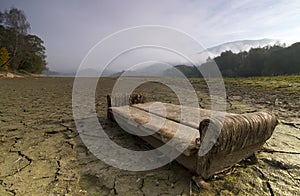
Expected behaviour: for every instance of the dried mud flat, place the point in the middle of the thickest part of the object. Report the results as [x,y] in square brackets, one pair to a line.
[42,154]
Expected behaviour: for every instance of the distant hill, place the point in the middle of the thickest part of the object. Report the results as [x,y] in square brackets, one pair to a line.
[259,61]
[50,73]
[154,69]
[161,69]
[266,61]
[188,71]
[86,72]
[238,46]
[158,69]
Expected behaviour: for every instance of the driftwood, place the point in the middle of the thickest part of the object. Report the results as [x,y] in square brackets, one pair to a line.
[241,134]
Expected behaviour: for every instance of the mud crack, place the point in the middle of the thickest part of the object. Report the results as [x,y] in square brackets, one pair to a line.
[294,125]
[57,171]
[19,169]
[267,150]
[25,156]
[13,192]
[70,143]
[142,185]
[114,187]
[278,164]
[265,178]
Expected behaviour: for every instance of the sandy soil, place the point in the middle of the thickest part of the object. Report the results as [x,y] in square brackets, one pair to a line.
[42,154]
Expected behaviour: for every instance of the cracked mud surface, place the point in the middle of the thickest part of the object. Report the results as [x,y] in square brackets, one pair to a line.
[42,154]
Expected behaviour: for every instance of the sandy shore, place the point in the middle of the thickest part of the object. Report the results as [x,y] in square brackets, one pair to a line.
[42,154]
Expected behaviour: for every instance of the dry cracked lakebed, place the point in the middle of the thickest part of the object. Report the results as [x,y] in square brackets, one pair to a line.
[41,152]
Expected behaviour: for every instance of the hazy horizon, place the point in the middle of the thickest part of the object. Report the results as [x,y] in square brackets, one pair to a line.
[71,28]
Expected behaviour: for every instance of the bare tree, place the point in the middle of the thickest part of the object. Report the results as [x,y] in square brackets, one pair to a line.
[15,20]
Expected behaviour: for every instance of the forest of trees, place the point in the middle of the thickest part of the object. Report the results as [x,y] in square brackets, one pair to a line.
[267,61]
[19,50]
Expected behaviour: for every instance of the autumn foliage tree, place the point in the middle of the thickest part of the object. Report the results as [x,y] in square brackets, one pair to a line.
[4,57]
[26,51]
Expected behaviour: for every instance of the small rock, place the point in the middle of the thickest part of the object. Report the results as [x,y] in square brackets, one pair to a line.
[9,75]
[112,191]
[156,182]
[277,102]
[172,185]
[237,98]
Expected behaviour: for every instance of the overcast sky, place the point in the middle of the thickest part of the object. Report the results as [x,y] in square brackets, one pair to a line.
[70,28]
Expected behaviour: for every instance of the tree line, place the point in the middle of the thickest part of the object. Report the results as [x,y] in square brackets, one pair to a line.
[266,61]
[19,50]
